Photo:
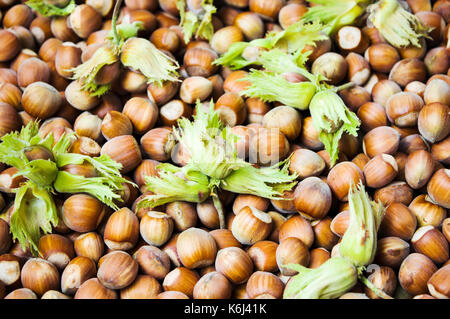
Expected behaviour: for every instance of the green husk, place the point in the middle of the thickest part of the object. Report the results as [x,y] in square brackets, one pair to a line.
[213,165]
[331,280]
[292,40]
[96,186]
[48,10]
[280,62]
[271,87]
[198,24]
[41,172]
[106,187]
[336,13]
[359,242]
[174,184]
[206,30]
[13,144]
[125,31]
[268,182]
[211,145]
[331,118]
[397,26]
[34,211]
[141,55]
[299,34]
[234,59]
[87,71]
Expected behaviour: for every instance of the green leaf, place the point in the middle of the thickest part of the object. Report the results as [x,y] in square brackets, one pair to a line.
[173,184]
[48,10]
[106,187]
[331,280]
[279,61]
[41,172]
[125,30]
[299,34]
[211,145]
[331,118]
[359,243]
[205,29]
[86,72]
[99,187]
[34,210]
[97,90]
[271,87]
[234,58]
[13,145]
[63,145]
[189,25]
[397,26]
[196,23]
[335,14]
[141,55]
[268,182]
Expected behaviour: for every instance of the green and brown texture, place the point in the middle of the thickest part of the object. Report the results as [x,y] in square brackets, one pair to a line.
[357,250]
[398,26]
[196,22]
[47,9]
[286,51]
[331,117]
[213,166]
[40,160]
[122,44]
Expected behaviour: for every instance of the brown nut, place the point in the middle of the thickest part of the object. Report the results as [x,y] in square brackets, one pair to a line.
[342,176]
[262,254]
[56,249]
[124,150]
[312,198]
[438,186]
[394,192]
[156,228]
[434,122]
[398,221]
[403,109]
[117,270]
[41,100]
[431,242]
[408,70]
[291,250]
[40,275]
[286,119]
[251,225]
[82,213]
[438,284]
[76,273]
[382,139]
[182,280]
[298,227]
[380,170]
[391,251]
[196,248]
[93,289]
[213,285]
[235,264]
[415,272]
[264,284]
[89,245]
[122,230]
[153,261]
[144,287]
